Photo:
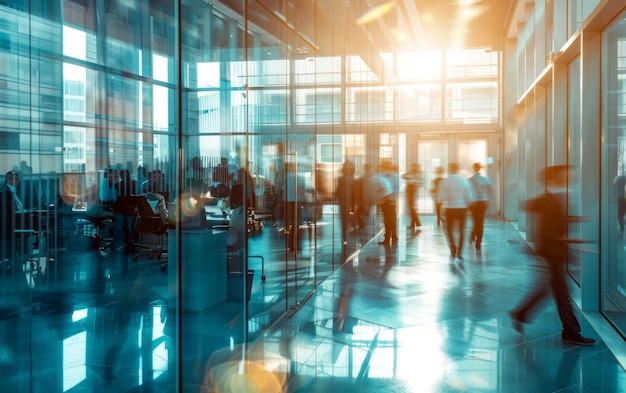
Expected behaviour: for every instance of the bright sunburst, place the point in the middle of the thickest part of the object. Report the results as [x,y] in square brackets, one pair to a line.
[375,12]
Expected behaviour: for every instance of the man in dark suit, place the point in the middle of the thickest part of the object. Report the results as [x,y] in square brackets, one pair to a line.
[551,229]
[10,203]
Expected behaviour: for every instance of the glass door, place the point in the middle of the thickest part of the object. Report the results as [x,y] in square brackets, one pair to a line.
[436,153]
[432,154]
[300,218]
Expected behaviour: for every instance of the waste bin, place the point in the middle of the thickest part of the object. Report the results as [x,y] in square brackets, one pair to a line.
[235,285]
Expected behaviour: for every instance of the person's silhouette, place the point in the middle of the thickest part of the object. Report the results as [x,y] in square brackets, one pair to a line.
[551,228]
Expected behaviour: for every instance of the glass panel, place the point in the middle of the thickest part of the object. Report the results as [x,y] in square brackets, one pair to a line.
[613,269]
[574,207]
[573,16]
[267,115]
[318,70]
[432,154]
[469,152]
[471,63]
[318,105]
[357,71]
[369,104]
[419,103]
[267,107]
[418,66]
[472,102]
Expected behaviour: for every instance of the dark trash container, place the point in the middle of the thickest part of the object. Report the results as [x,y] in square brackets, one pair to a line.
[235,285]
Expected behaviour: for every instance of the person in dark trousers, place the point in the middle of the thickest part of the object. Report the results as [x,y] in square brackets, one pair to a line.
[292,191]
[457,195]
[345,198]
[382,190]
[439,171]
[414,181]
[482,186]
[551,227]
[362,197]
[10,203]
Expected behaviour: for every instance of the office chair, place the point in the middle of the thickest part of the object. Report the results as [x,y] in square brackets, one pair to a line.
[149,223]
[90,227]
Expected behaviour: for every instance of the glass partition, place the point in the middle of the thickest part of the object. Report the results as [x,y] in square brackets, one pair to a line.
[613,285]
[233,132]
[574,192]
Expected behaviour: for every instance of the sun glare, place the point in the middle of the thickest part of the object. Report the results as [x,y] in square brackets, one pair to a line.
[375,13]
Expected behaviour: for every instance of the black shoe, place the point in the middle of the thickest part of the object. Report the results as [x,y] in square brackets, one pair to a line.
[578,340]
[518,323]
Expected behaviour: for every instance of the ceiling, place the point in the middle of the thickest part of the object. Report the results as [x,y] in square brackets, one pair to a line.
[387,25]
[372,27]
[434,24]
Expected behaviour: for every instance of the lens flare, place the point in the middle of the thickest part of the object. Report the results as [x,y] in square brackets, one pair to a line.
[374,13]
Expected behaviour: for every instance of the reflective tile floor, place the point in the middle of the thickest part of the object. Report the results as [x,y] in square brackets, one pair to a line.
[407,318]
[403,318]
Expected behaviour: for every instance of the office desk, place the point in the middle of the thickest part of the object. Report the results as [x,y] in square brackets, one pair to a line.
[215,216]
[202,268]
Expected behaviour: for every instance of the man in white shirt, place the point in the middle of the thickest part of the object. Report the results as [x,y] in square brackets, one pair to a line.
[482,186]
[456,195]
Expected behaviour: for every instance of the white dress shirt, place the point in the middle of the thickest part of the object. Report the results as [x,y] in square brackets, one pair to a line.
[455,192]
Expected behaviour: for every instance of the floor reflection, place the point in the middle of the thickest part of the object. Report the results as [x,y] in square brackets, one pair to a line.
[398,318]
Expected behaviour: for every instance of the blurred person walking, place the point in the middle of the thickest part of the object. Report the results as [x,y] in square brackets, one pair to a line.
[382,189]
[551,227]
[292,196]
[414,181]
[362,196]
[345,198]
[456,193]
[482,186]
[439,171]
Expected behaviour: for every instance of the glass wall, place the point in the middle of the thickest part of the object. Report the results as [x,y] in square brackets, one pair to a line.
[613,300]
[574,191]
[571,110]
[233,132]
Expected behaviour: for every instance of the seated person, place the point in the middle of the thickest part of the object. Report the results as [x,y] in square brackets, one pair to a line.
[100,214]
[155,183]
[143,175]
[161,207]
[109,188]
[17,202]
[222,174]
[126,186]
[237,226]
